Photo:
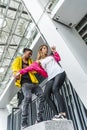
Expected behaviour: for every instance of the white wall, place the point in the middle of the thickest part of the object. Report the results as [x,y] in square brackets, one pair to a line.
[8,93]
[69,61]
[75,43]
[3,119]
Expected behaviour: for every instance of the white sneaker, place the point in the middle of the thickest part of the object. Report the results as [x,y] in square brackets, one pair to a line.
[58,117]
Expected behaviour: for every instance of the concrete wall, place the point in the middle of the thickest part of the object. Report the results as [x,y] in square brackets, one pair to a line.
[75,43]
[3,119]
[52,125]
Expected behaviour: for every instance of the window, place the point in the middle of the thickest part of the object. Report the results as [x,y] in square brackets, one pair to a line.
[81,27]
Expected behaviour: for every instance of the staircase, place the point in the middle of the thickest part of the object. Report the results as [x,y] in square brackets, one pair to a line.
[61,124]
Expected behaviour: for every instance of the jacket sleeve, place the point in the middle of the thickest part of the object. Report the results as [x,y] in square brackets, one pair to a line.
[34,67]
[31,61]
[28,69]
[15,65]
[56,56]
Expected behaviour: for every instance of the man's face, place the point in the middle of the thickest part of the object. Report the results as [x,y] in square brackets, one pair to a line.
[27,54]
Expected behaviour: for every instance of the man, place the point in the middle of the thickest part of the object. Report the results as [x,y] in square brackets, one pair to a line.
[29,84]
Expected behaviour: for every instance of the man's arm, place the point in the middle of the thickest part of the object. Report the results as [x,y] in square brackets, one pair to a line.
[15,67]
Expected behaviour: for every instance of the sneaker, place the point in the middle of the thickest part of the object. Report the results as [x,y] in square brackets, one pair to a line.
[24,124]
[38,121]
[60,116]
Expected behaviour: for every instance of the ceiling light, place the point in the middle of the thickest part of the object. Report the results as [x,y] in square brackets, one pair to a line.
[1,50]
[2,22]
[21,50]
[2,70]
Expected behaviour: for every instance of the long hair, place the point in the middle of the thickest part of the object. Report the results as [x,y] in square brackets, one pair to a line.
[40,54]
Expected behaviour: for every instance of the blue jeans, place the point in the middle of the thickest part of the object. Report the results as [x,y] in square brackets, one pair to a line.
[28,89]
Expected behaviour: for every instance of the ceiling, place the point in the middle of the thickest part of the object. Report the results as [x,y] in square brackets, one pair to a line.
[16,27]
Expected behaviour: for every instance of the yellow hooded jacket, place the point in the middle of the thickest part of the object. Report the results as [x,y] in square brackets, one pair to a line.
[17,65]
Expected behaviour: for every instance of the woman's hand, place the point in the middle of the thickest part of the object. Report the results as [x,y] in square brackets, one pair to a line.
[53,49]
[38,61]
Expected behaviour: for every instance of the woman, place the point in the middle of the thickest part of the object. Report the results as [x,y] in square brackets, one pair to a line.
[56,77]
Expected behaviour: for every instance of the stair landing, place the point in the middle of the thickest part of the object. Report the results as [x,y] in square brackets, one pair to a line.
[61,124]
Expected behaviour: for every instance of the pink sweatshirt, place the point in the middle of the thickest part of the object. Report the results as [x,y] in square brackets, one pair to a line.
[34,67]
[56,56]
[39,69]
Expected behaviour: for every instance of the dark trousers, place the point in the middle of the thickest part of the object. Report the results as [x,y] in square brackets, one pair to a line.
[53,86]
[27,90]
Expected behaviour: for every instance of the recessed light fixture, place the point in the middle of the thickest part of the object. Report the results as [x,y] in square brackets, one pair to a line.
[2,22]
[2,70]
[1,50]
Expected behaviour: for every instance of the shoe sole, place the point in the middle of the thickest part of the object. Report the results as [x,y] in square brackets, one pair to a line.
[59,119]
[23,127]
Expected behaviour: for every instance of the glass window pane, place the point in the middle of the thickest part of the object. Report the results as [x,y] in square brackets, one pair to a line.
[22,25]
[3,37]
[14,4]
[11,14]
[8,26]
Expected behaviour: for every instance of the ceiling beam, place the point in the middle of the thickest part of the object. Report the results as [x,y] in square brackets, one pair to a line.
[13,9]
[2,44]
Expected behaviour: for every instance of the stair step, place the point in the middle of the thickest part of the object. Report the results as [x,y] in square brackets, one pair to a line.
[61,124]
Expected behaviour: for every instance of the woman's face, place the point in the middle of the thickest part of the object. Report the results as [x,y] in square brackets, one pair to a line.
[45,50]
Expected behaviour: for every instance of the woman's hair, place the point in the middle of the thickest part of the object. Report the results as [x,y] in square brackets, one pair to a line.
[40,55]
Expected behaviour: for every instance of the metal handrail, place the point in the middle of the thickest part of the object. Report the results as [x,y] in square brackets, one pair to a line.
[75,109]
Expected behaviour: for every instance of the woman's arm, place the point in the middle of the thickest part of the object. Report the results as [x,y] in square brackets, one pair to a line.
[55,54]
[34,67]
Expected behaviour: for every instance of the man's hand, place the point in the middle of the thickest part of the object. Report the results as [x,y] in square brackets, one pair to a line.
[16,76]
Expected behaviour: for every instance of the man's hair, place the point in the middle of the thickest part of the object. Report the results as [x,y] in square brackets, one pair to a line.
[26,49]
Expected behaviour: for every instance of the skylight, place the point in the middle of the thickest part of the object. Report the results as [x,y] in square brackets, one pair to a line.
[2,22]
